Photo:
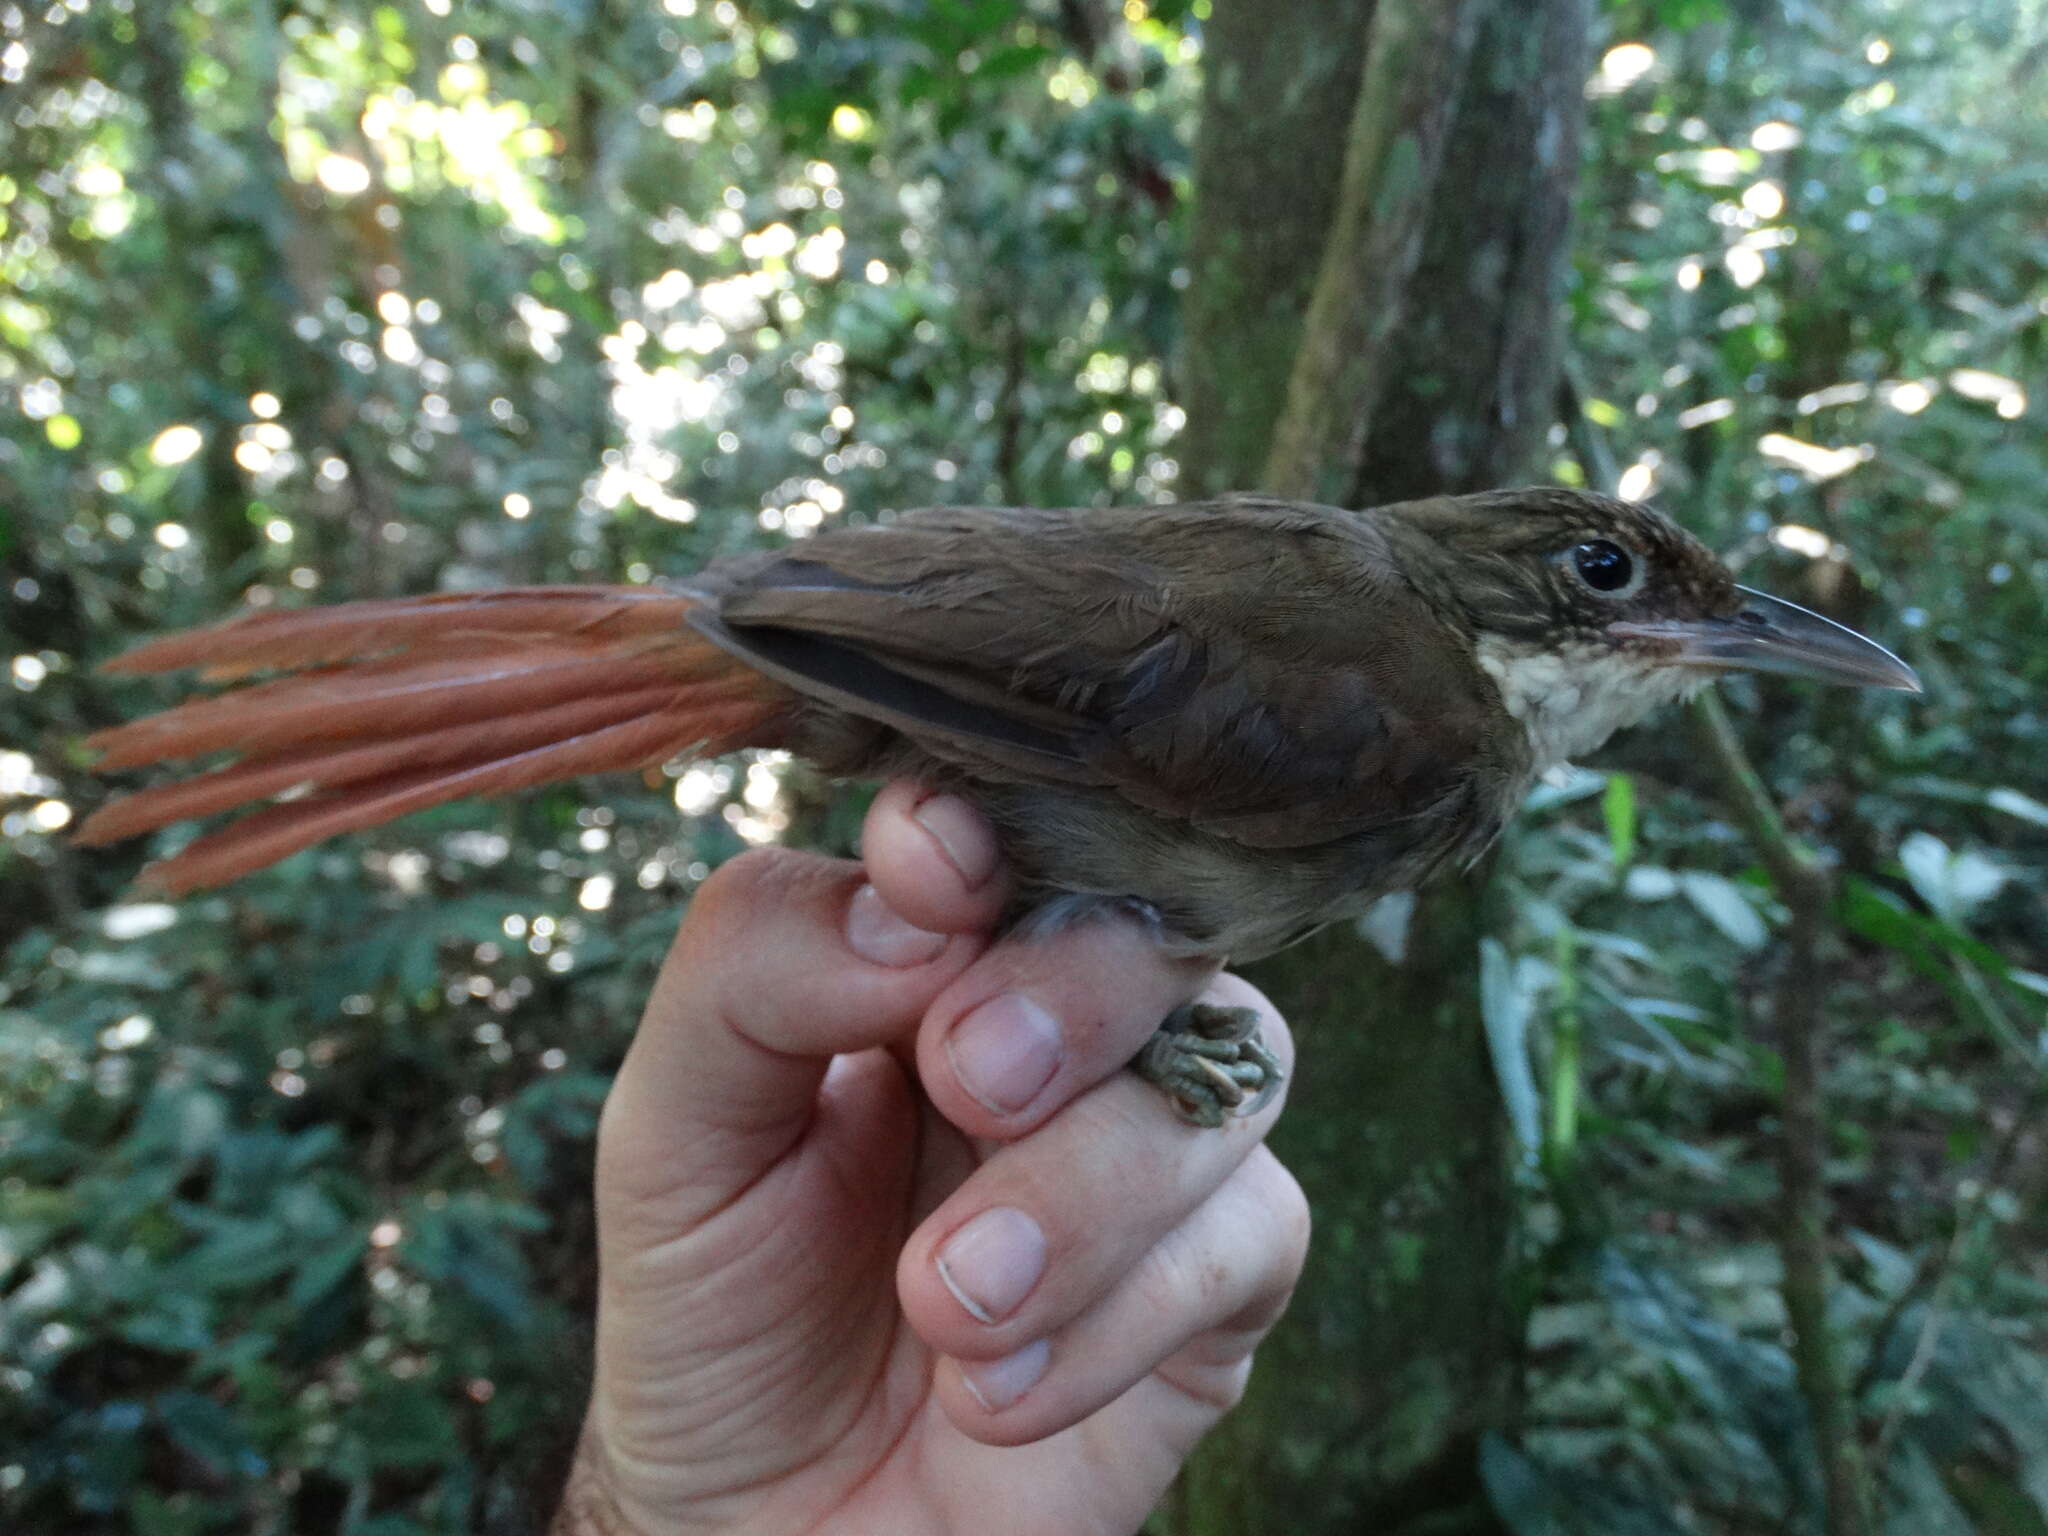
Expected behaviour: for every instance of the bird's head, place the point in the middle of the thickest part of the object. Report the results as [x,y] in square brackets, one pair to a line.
[1589,612]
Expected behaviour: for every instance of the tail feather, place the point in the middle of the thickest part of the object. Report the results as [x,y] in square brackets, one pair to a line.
[268,835]
[377,699]
[252,779]
[306,637]
[391,707]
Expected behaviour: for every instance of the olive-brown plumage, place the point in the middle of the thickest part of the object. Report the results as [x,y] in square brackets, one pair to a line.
[1246,716]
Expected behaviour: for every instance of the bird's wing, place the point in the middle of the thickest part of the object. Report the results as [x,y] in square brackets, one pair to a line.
[1257,668]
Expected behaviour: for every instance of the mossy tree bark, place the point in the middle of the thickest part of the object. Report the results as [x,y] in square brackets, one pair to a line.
[1281,81]
[1382,197]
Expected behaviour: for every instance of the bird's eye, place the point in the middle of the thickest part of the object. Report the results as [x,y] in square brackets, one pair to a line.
[1604,566]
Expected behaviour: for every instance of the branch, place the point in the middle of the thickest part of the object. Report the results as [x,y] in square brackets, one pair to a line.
[1799,876]
[1796,1010]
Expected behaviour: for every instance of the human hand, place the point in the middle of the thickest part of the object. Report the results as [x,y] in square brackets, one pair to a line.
[839,1292]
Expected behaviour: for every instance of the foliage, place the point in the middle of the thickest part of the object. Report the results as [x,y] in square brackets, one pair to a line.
[335,298]
[1808,313]
[330,300]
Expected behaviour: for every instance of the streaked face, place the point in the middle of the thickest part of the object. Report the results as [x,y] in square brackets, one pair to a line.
[1575,574]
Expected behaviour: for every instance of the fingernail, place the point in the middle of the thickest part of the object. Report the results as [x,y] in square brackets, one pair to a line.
[991,1263]
[998,1383]
[1005,1051]
[963,835]
[875,932]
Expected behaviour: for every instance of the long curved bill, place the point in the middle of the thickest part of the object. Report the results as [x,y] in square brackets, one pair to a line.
[1768,634]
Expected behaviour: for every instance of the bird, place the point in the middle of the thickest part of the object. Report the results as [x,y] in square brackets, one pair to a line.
[1236,720]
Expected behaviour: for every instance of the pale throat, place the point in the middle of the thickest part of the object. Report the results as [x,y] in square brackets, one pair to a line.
[1572,699]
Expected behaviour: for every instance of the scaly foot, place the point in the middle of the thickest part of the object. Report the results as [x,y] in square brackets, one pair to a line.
[1210,1062]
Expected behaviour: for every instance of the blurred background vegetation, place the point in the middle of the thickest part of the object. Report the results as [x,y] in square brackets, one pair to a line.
[307,301]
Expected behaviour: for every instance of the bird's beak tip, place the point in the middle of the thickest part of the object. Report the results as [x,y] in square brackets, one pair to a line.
[1768,634]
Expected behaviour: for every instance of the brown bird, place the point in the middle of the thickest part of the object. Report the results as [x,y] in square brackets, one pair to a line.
[1240,719]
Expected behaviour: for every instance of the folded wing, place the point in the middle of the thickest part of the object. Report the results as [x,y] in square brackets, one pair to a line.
[1258,669]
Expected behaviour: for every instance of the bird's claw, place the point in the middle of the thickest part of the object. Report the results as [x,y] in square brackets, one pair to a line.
[1211,1063]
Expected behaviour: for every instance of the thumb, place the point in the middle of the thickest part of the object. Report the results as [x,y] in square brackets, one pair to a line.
[783,961]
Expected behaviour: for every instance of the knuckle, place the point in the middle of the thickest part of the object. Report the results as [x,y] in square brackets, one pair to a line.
[1231,1383]
[1280,1196]
[715,957]
[735,894]
[1173,1282]
[1296,1222]
[741,877]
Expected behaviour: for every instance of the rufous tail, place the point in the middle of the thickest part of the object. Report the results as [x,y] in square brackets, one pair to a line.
[389,707]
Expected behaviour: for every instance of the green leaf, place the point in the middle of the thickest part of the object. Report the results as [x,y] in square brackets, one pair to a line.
[1536,1498]
[1618,806]
[327,1269]
[209,1433]
[1727,906]
[133,966]
[2013,803]
[1953,884]
[1504,1005]
[1650,882]
[237,1252]
[1744,1386]
[399,1423]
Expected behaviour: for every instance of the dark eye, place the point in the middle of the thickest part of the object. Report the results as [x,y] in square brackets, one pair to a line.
[1603,565]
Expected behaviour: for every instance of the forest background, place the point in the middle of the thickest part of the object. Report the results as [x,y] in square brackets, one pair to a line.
[1685,1177]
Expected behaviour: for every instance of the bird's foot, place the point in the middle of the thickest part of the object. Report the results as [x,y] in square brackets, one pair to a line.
[1211,1063]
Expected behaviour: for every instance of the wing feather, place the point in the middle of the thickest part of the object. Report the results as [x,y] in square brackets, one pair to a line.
[1258,669]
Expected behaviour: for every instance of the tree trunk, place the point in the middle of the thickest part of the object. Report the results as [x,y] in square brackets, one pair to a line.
[1281,82]
[1386,202]
[1426,236]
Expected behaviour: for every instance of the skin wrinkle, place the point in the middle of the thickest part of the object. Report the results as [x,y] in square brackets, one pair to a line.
[796,1360]
[722,1254]
[1233,1376]
[877,1463]
[911,1432]
[1224,1347]
[727,1391]
[744,1388]
[1204,1388]
[683,1218]
[1177,1266]
[879,1457]
[741,1258]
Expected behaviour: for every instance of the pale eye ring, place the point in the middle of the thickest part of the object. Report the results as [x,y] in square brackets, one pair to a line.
[1605,568]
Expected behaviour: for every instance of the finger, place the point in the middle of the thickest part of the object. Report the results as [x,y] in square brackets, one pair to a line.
[1049,1224]
[1201,1299]
[783,960]
[1035,1022]
[934,858]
